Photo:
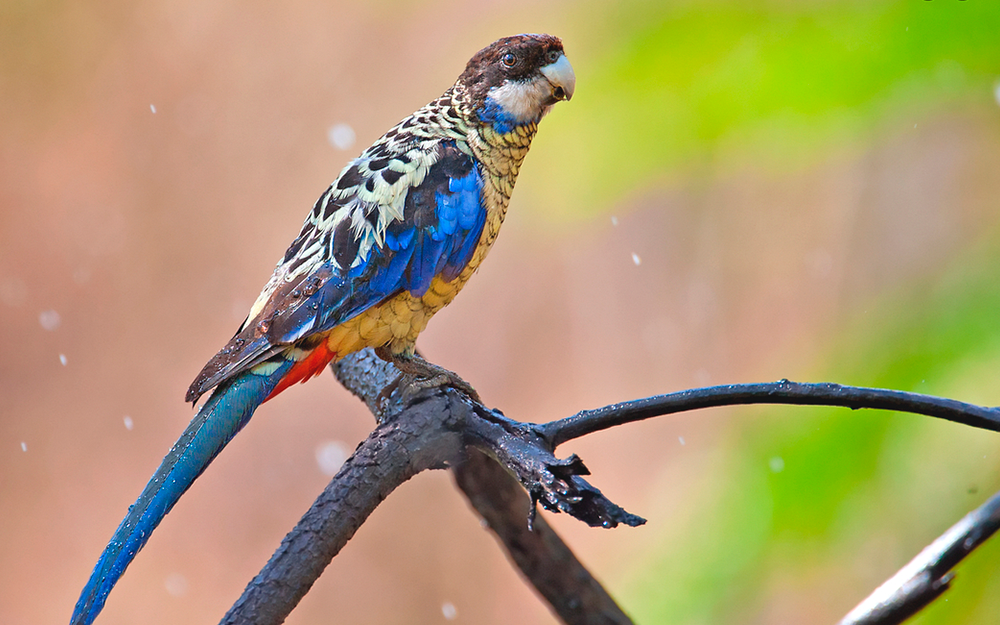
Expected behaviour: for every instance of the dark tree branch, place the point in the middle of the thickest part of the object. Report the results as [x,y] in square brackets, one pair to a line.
[543,558]
[928,575]
[781,392]
[392,454]
[554,483]
[423,428]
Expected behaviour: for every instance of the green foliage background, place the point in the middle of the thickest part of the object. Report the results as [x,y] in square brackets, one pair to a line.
[791,81]
[784,85]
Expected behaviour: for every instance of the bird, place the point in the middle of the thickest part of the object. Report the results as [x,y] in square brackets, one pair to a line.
[389,243]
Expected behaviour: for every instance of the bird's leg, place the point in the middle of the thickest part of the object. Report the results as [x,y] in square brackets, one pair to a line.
[426,374]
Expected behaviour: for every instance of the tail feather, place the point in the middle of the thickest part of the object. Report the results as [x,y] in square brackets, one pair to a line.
[220,418]
[309,367]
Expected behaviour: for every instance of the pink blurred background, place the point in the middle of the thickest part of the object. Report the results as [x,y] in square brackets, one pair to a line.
[156,161]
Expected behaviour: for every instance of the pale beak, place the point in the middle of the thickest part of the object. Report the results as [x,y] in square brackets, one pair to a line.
[560,75]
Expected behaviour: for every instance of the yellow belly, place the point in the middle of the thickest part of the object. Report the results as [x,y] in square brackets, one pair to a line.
[396,322]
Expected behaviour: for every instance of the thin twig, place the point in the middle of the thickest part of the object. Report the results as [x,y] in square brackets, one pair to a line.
[781,392]
[928,575]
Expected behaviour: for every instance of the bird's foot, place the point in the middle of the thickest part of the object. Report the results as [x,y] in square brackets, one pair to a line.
[424,374]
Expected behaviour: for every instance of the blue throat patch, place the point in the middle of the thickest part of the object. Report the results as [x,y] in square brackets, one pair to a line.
[494,115]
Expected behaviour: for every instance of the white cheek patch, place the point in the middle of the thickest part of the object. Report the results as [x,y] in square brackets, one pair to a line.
[523,101]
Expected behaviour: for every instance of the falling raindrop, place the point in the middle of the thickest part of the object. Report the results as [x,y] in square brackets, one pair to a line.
[49,319]
[176,585]
[330,456]
[449,611]
[341,136]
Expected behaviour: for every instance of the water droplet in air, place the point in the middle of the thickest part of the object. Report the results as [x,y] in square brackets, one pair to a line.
[449,611]
[176,585]
[49,320]
[128,423]
[341,136]
[330,456]
[62,359]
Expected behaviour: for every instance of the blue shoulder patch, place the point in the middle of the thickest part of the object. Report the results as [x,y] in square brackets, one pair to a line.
[443,219]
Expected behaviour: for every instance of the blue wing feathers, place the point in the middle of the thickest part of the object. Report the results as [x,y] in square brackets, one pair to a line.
[447,213]
[389,276]
[443,220]
[424,263]
[405,238]
[460,257]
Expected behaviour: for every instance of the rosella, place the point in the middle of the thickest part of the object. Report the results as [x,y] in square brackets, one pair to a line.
[389,243]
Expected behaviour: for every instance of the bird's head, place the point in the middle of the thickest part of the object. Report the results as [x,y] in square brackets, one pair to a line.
[516,80]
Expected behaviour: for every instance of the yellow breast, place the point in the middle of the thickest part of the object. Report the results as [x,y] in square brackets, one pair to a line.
[398,321]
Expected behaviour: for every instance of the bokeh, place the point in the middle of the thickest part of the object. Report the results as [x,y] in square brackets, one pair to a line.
[739,191]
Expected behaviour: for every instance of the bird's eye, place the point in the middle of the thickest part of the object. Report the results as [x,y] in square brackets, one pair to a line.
[509,59]
[553,56]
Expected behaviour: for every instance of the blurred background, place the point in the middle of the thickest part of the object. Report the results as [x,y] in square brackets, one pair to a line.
[738,192]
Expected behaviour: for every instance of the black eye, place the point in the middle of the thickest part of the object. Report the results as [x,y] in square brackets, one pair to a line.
[553,56]
[509,59]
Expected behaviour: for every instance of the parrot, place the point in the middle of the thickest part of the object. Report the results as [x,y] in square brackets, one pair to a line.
[389,243]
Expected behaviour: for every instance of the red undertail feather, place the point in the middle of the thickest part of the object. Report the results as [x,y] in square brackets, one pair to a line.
[310,366]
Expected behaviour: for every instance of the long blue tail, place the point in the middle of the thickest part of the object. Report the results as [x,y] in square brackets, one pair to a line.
[218,421]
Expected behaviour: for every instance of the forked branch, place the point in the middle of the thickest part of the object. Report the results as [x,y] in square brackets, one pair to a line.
[496,460]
